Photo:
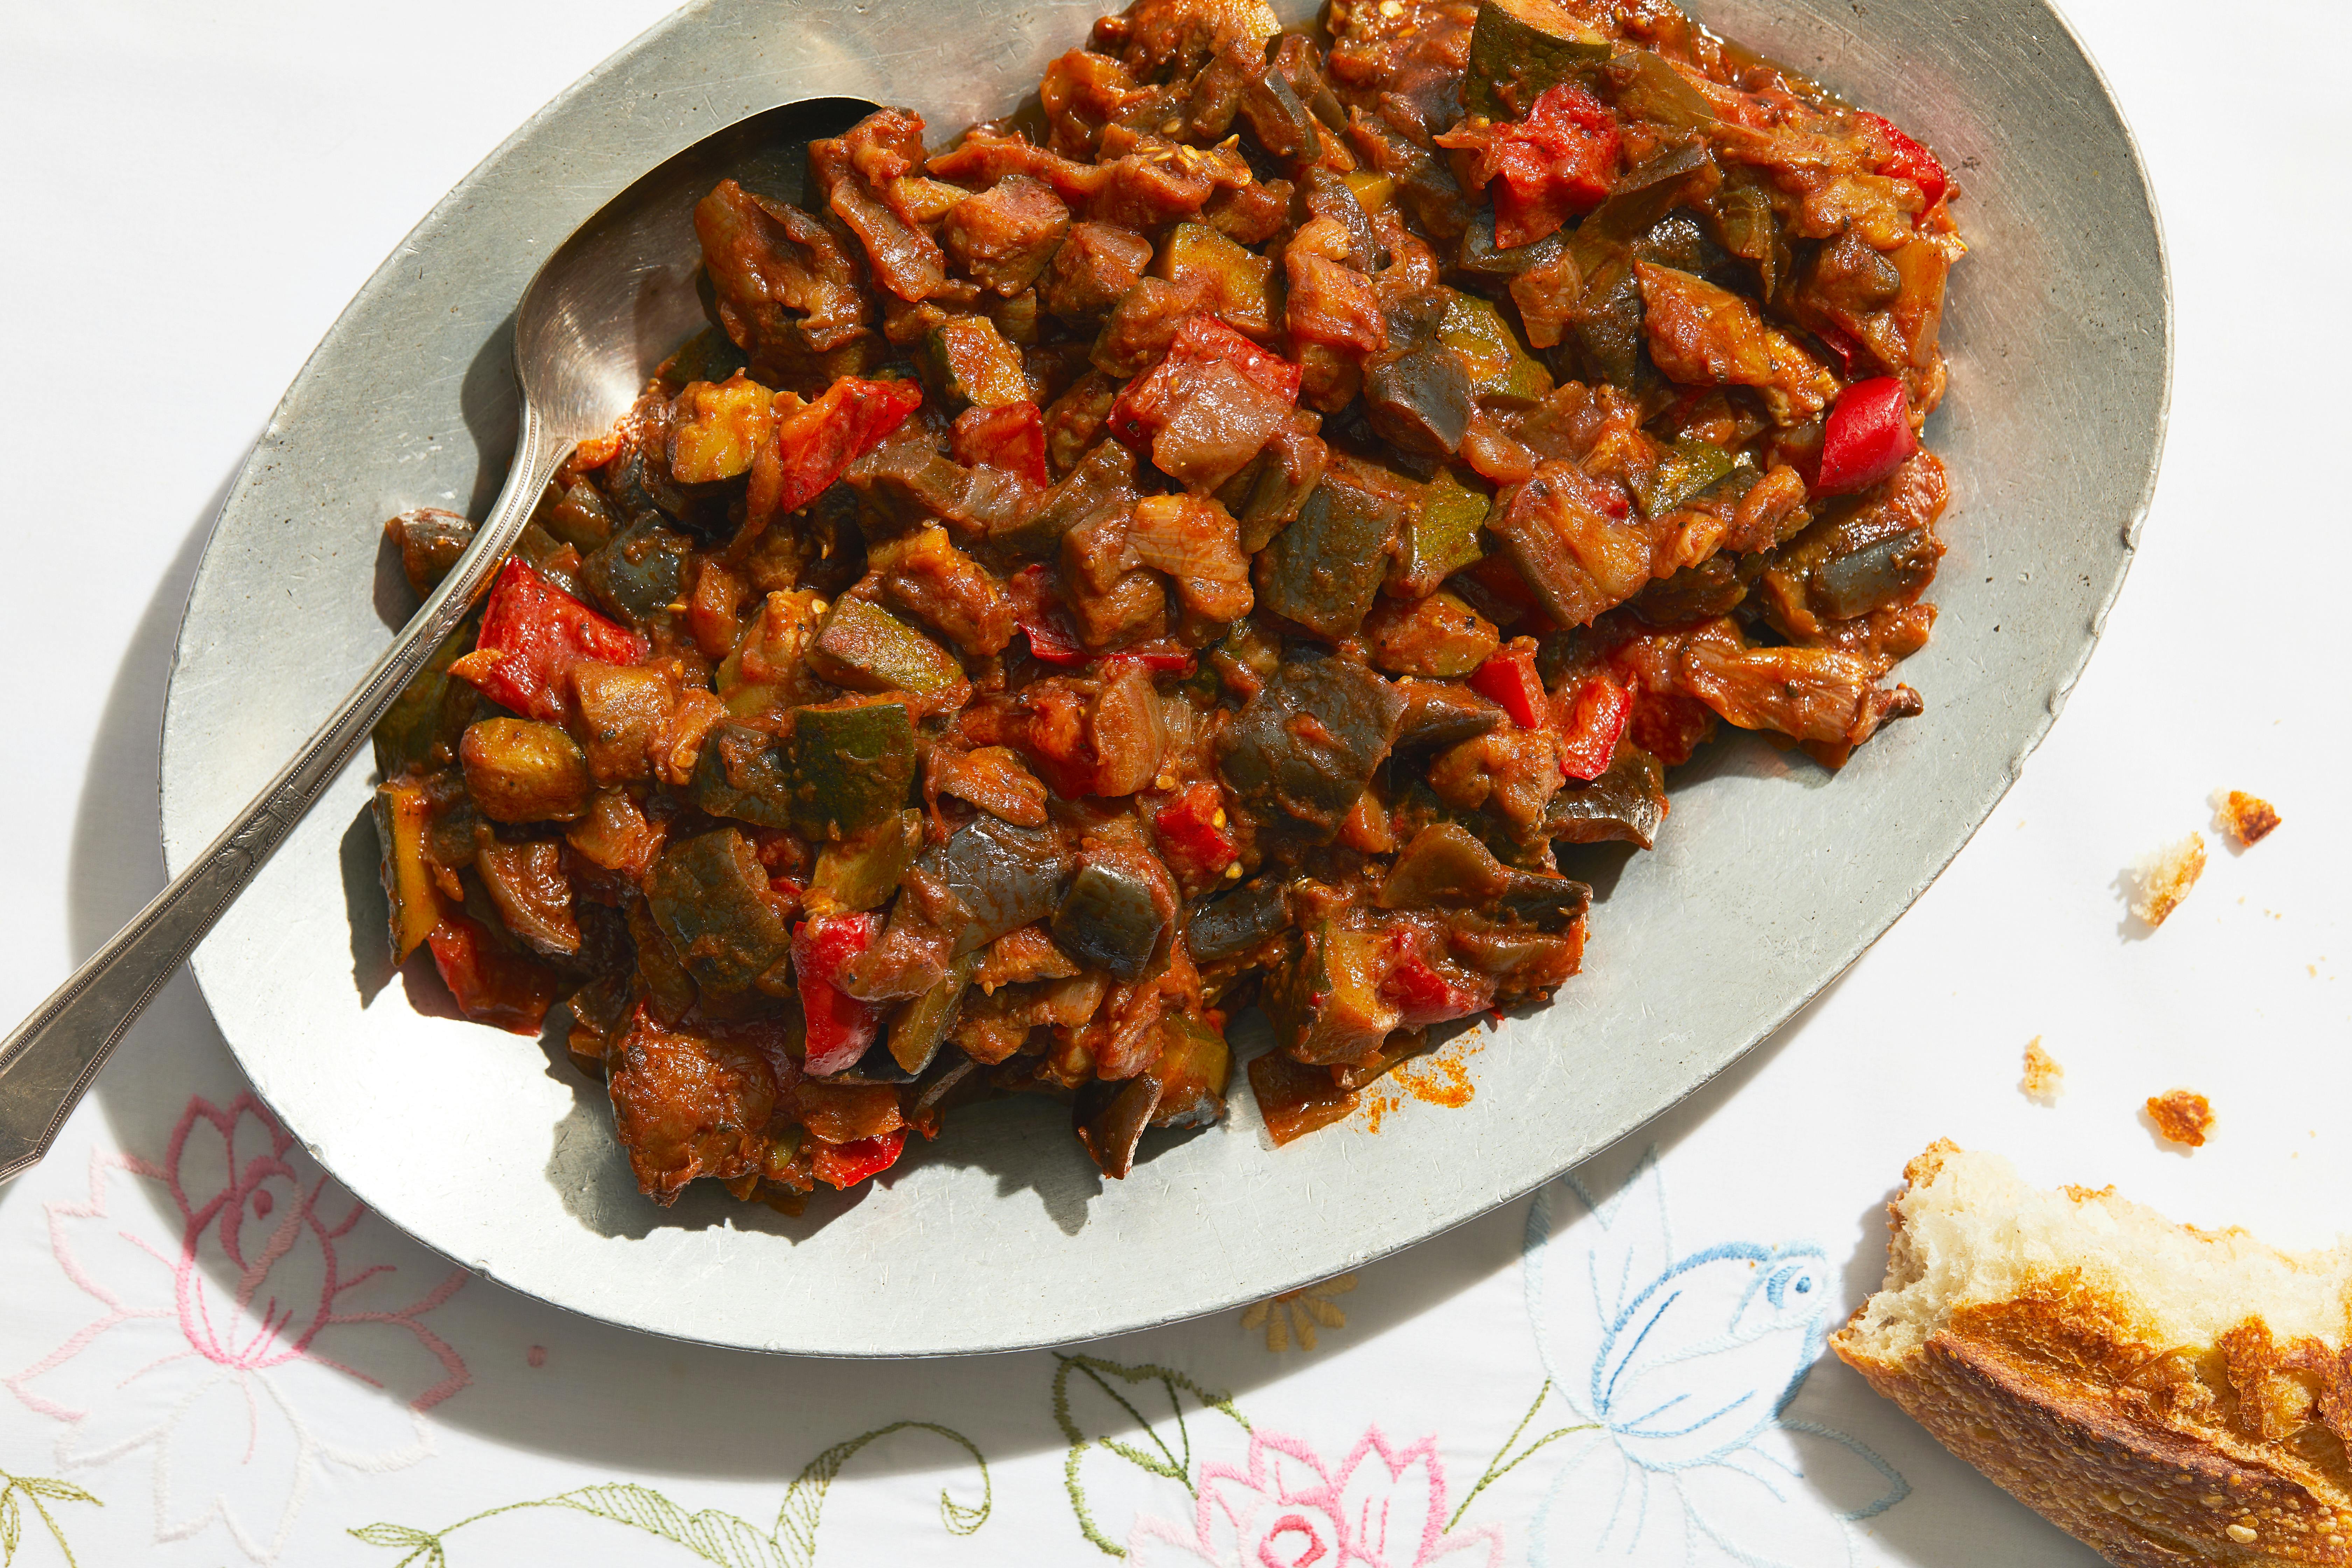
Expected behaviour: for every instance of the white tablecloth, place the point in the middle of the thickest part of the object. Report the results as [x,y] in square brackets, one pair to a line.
[210,1354]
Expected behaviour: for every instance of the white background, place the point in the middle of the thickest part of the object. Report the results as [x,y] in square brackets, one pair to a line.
[192,193]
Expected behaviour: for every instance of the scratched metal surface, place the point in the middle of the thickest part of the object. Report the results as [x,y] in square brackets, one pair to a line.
[1770,878]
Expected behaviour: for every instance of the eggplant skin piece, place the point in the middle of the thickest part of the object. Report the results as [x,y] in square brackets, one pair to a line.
[1111,919]
[1307,744]
[1231,925]
[709,894]
[1005,875]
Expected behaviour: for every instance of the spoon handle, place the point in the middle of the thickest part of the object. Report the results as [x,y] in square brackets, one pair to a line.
[48,1060]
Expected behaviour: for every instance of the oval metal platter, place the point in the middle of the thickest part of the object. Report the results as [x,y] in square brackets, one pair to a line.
[1770,876]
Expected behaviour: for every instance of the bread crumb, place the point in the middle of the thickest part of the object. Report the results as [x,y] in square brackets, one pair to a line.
[2166,877]
[2182,1116]
[2245,817]
[2044,1078]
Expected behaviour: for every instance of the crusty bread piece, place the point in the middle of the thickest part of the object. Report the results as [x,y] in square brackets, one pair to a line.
[2168,1396]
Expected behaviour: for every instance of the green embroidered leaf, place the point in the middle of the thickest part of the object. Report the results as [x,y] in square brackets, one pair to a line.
[55,1490]
[11,1525]
[797,1522]
[713,1535]
[1164,1445]
[420,1544]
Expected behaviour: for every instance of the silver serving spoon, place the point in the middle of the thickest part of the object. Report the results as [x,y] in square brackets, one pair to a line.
[612,302]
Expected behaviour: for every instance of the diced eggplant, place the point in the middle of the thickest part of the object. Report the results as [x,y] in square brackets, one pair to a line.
[920,1026]
[864,646]
[429,539]
[1437,715]
[1295,1100]
[1395,1051]
[709,355]
[1306,746]
[1325,1002]
[1004,876]
[623,710]
[1109,1118]
[968,360]
[518,770]
[862,871]
[404,816]
[1520,48]
[1324,570]
[1628,802]
[1482,256]
[1441,535]
[1112,918]
[1706,592]
[533,897]
[1103,478]
[1546,902]
[740,774]
[1231,925]
[709,895]
[1883,571]
[1420,399]
[422,728]
[640,572]
[847,768]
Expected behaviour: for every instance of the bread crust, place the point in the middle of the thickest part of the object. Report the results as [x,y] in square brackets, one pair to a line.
[2156,1453]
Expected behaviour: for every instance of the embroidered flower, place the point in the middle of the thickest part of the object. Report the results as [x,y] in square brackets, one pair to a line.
[1687,1365]
[235,1345]
[1284,1508]
[1299,1309]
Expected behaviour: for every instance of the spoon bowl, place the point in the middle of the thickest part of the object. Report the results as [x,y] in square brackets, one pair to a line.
[611,302]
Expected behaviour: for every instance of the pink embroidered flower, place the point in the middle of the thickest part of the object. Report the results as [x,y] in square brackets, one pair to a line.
[241,1346]
[1285,1508]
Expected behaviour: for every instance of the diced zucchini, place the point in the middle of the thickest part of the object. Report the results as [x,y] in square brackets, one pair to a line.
[714,429]
[1500,368]
[709,894]
[847,768]
[404,815]
[1325,1003]
[1441,535]
[521,770]
[1518,49]
[1194,1066]
[920,1024]
[1323,570]
[422,726]
[968,360]
[862,871]
[1690,469]
[1242,286]
[1372,191]
[864,646]
[1444,864]
[1439,635]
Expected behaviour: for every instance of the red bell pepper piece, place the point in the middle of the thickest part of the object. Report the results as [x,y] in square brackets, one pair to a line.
[1149,400]
[1559,160]
[840,1026]
[1841,343]
[1593,719]
[844,1165]
[1906,160]
[817,440]
[532,633]
[1867,436]
[1509,677]
[1161,656]
[1423,992]
[1193,840]
[1042,618]
[1011,436]
[491,984]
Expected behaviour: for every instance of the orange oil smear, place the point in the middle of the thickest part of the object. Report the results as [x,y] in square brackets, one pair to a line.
[1438,1080]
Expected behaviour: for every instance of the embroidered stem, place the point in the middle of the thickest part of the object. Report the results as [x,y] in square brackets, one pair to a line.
[1504,1462]
[35,1489]
[713,1534]
[1169,1464]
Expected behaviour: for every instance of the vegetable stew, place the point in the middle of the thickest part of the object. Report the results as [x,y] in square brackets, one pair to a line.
[1199,545]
